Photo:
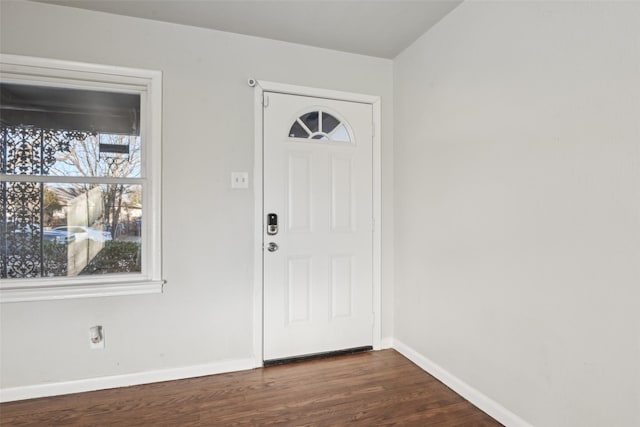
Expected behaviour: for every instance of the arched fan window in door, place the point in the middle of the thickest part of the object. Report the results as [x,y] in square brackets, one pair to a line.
[320,125]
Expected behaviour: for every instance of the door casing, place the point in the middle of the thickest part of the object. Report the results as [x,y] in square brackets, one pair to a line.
[374,101]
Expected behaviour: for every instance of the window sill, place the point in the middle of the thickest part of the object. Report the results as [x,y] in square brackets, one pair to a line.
[48,292]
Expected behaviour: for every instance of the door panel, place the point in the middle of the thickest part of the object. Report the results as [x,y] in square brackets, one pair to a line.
[341,286]
[318,180]
[341,190]
[299,192]
[299,289]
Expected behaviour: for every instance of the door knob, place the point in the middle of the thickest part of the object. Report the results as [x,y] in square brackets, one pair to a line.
[272,247]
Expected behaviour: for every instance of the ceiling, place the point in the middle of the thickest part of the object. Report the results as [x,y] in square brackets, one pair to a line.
[380,28]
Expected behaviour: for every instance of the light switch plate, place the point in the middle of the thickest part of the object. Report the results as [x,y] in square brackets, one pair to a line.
[239,179]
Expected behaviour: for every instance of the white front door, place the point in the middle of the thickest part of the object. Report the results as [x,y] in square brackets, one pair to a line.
[318,278]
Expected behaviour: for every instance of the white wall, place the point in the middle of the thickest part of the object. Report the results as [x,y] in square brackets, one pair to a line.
[517,189]
[205,314]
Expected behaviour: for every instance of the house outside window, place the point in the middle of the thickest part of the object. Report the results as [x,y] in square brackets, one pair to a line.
[79,180]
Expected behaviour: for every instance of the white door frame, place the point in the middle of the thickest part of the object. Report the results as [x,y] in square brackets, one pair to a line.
[258,191]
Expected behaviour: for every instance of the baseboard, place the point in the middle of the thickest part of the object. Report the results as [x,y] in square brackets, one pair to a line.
[101,383]
[486,404]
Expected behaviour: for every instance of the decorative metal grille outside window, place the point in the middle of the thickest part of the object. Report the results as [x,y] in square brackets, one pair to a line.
[74,184]
[319,125]
[27,250]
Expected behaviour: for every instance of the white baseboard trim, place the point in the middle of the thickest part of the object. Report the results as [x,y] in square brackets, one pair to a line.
[115,381]
[483,402]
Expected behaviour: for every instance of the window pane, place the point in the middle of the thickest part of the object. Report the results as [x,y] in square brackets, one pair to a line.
[329,122]
[297,131]
[311,120]
[33,151]
[69,229]
[341,134]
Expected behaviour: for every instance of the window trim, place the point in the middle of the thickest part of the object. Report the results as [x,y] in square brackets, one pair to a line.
[148,83]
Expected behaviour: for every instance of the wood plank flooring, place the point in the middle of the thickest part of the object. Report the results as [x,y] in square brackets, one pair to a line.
[368,389]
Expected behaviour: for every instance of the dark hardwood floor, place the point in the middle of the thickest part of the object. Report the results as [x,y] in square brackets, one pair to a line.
[369,389]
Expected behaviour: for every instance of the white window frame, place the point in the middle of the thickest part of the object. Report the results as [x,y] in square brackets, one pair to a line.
[147,83]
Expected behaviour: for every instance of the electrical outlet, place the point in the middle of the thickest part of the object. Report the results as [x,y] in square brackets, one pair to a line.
[239,179]
[96,337]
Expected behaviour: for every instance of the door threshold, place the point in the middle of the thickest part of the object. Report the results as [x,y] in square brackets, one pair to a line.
[295,359]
